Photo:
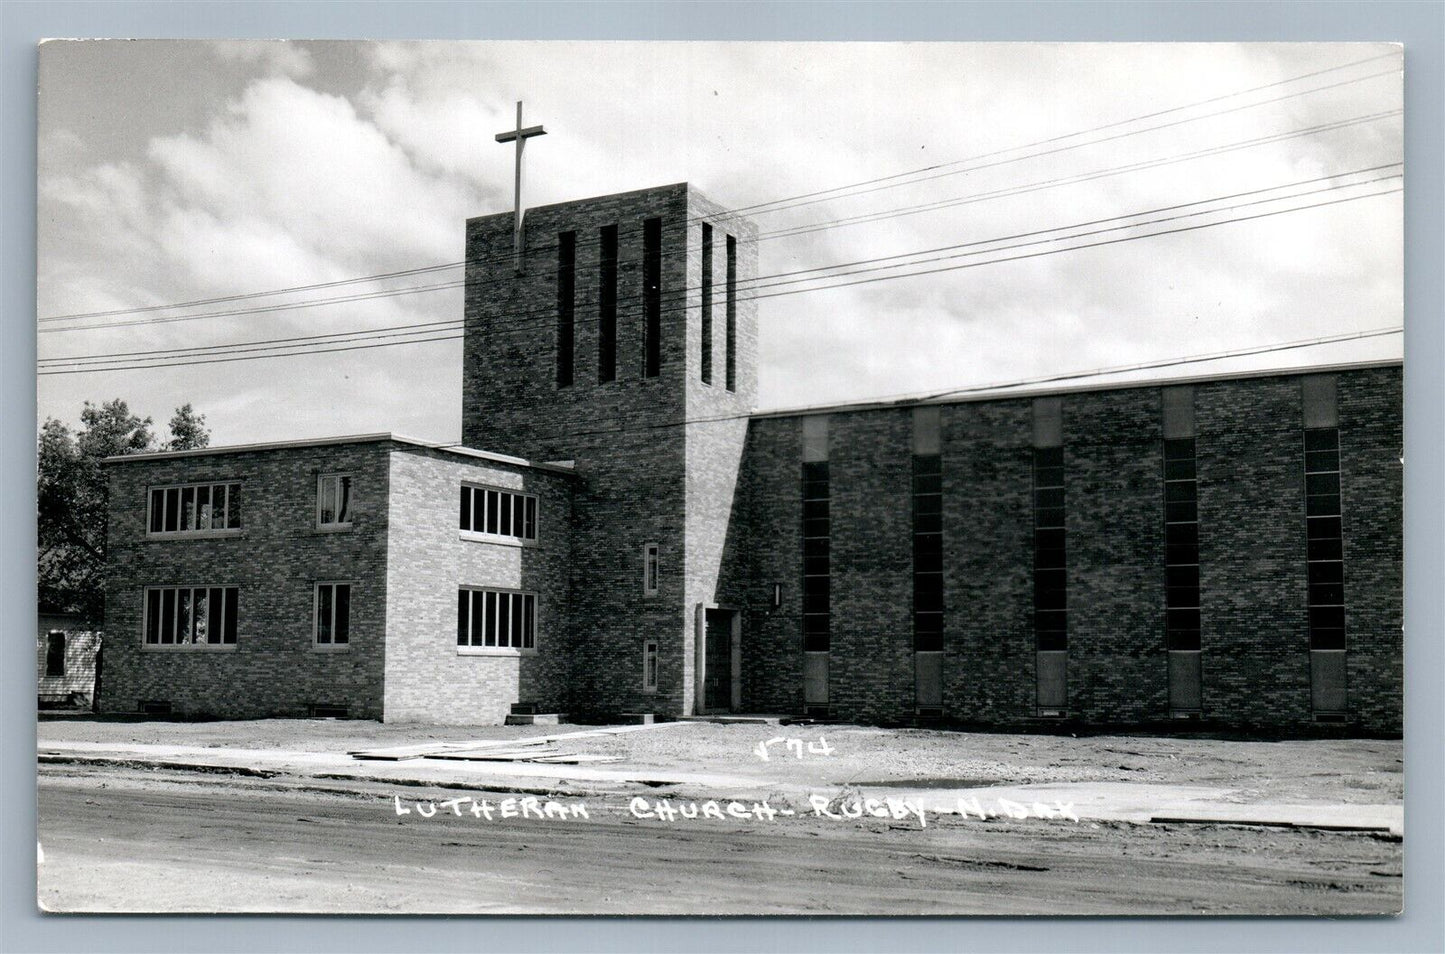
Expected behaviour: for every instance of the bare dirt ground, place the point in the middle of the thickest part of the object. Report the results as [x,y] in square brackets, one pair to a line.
[125,838]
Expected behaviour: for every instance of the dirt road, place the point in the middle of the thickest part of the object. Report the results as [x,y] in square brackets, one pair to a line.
[119,839]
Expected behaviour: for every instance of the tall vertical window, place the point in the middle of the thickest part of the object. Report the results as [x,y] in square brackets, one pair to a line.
[1051,616]
[190,616]
[1181,522]
[649,570]
[649,666]
[55,653]
[496,619]
[730,343]
[927,532]
[607,306]
[1324,529]
[1051,631]
[333,614]
[333,500]
[566,296]
[706,303]
[817,570]
[651,298]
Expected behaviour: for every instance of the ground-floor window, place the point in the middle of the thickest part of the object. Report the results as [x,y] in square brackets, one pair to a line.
[649,666]
[333,614]
[501,619]
[200,616]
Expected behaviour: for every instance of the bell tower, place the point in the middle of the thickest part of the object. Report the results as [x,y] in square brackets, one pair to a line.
[622,337]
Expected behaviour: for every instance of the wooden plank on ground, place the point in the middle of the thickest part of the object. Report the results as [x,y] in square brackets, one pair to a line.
[429,749]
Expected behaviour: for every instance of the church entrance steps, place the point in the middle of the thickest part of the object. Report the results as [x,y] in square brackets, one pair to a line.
[738,719]
[535,718]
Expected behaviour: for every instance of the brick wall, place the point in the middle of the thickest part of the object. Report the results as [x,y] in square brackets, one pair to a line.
[642,470]
[1252,549]
[427,678]
[275,563]
[1371,448]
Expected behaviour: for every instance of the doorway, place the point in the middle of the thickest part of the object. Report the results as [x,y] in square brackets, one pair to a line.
[720,660]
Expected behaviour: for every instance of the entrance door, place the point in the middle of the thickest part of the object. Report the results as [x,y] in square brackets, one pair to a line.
[718,675]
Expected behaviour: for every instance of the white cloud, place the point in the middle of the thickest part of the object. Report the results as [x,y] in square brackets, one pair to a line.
[315,174]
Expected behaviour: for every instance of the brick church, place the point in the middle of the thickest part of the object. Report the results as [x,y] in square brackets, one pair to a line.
[621,532]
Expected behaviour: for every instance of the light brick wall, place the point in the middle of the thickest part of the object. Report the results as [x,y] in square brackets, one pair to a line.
[427,679]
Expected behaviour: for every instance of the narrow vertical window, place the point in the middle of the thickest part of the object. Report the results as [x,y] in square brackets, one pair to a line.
[651,298]
[706,373]
[1050,614]
[928,602]
[649,666]
[730,343]
[817,562]
[607,307]
[649,570]
[1324,547]
[566,295]
[1182,628]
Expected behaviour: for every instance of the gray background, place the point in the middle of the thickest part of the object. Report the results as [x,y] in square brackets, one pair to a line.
[1420,25]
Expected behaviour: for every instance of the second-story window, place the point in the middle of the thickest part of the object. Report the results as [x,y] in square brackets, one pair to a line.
[649,570]
[498,513]
[208,508]
[333,500]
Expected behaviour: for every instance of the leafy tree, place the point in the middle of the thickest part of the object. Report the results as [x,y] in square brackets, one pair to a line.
[188,429]
[71,490]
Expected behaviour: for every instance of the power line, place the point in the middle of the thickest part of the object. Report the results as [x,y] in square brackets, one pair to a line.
[936,205]
[907,400]
[780,204]
[870,217]
[171,352]
[773,294]
[1053,139]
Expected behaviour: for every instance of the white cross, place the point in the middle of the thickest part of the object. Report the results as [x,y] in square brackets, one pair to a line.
[520,135]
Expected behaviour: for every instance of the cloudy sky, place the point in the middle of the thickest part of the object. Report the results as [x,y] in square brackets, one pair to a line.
[176,172]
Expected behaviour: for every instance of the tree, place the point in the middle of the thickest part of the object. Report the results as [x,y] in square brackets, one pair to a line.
[71,492]
[188,429]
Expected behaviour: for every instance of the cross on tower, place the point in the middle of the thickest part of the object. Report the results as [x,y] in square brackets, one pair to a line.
[520,135]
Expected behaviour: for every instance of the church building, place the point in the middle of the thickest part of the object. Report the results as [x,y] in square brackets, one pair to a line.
[620,531]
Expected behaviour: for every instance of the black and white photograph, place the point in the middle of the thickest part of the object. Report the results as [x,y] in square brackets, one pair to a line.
[720,478]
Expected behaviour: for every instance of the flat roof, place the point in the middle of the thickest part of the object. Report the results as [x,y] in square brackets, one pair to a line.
[1002,392]
[384,436]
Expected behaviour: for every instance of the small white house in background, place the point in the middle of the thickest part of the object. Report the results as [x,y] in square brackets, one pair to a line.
[65,661]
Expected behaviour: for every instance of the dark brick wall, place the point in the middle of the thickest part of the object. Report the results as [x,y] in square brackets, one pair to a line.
[645,473]
[1114,514]
[768,552]
[275,562]
[1252,549]
[427,679]
[1371,448]
[988,640]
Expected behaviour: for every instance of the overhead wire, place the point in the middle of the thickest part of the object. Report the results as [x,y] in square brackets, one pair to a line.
[780,204]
